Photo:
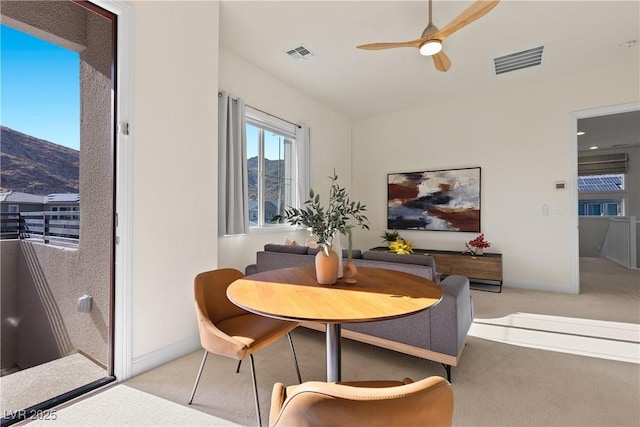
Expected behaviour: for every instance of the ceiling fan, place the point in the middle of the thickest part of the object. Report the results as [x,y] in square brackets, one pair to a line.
[430,42]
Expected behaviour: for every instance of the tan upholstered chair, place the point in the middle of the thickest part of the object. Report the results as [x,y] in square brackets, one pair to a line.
[228,330]
[424,403]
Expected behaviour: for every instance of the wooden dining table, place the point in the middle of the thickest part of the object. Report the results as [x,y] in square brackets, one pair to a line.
[294,294]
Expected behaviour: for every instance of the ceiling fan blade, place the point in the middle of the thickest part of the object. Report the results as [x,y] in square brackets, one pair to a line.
[441,61]
[379,46]
[470,14]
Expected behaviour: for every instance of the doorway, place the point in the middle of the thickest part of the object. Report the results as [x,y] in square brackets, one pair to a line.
[62,324]
[613,130]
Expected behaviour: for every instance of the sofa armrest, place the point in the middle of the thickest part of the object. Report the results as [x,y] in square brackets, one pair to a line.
[451,317]
[250,269]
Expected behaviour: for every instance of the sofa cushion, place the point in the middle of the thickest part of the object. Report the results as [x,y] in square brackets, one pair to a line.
[268,260]
[402,259]
[419,270]
[287,249]
[355,253]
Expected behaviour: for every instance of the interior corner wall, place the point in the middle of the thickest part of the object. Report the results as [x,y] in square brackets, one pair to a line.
[174,130]
[520,135]
[330,143]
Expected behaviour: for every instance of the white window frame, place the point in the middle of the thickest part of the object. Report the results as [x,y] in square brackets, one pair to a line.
[265,122]
[603,201]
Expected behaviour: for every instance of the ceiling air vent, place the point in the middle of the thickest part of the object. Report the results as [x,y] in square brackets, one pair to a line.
[519,60]
[300,52]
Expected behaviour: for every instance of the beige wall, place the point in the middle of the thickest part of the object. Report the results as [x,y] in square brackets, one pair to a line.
[330,142]
[9,258]
[174,131]
[520,134]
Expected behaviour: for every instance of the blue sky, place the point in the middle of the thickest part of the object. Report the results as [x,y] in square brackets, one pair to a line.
[40,88]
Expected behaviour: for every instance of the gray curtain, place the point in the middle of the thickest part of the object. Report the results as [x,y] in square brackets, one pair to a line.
[303,162]
[233,208]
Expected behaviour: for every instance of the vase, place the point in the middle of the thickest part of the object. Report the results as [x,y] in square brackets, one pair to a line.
[337,248]
[350,272]
[326,266]
[479,251]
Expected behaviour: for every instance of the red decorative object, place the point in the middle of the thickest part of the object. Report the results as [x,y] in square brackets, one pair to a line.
[479,242]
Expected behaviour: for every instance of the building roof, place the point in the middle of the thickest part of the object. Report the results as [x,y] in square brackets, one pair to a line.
[62,198]
[18,197]
[600,183]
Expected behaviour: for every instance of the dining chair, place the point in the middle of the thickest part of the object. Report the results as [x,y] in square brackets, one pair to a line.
[228,330]
[424,403]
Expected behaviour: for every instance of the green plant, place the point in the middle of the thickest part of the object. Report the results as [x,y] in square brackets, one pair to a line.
[339,216]
[390,236]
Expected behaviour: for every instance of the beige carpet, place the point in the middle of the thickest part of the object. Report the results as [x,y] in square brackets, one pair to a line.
[495,384]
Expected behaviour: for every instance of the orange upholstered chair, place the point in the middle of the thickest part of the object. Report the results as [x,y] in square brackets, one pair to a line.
[424,403]
[228,330]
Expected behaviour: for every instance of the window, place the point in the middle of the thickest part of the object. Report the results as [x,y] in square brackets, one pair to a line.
[598,195]
[271,167]
[65,209]
[14,208]
[600,207]
[613,182]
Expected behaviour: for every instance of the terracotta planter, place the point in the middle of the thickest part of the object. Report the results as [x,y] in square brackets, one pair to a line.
[327,267]
[350,272]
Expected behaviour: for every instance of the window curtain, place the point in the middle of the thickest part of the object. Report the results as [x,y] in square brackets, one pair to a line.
[233,212]
[303,162]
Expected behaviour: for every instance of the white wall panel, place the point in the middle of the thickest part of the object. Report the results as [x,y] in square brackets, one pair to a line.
[175,157]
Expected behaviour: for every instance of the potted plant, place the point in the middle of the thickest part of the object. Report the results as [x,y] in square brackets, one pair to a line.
[389,236]
[339,216]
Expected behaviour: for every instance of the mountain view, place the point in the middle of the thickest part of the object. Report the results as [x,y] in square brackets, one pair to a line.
[35,166]
[273,170]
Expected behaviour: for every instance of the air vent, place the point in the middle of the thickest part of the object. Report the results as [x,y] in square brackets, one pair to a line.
[519,60]
[300,52]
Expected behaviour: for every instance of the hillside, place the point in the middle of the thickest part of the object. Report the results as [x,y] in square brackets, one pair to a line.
[273,168]
[36,166]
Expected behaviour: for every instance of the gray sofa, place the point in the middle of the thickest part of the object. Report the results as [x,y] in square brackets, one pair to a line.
[436,334]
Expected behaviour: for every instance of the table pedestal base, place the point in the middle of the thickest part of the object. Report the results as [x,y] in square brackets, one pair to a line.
[334,365]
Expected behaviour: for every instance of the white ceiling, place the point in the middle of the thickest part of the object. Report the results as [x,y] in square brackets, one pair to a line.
[577,35]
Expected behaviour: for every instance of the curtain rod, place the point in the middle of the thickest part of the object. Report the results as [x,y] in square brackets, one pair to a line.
[264,112]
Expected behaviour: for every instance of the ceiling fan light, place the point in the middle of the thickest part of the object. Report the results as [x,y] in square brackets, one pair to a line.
[430,47]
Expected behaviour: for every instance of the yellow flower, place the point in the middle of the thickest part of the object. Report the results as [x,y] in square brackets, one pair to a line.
[401,247]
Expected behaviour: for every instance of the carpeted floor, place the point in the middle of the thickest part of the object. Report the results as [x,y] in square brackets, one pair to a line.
[495,384]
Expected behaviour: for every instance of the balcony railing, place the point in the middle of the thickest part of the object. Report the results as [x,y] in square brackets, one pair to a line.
[60,227]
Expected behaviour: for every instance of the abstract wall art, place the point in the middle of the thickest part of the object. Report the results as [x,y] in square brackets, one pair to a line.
[440,200]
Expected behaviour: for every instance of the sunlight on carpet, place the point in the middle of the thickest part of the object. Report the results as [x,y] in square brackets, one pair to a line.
[586,337]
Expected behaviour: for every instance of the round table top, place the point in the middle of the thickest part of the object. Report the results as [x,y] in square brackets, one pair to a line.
[294,294]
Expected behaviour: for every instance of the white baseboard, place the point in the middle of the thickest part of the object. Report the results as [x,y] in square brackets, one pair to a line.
[164,355]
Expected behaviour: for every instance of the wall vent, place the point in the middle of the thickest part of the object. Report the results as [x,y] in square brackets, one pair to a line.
[300,52]
[519,60]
